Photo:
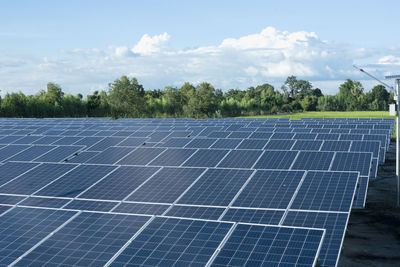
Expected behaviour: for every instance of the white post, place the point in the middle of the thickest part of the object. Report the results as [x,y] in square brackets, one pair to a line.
[397,141]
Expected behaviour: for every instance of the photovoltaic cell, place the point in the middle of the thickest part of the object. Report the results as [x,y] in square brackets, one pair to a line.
[252,144]
[68,140]
[27,139]
[282,136]
[11,150]
[44,202]
[366,146]
[207,213]
[306,145]
[216,187]
[105,143]
[83,157]
[276,160]
[10,170]
[260,135]
[269,189]
[4,209]
[201,143]
[140,208]
[326,191]
[253,216]
[22,228]
[76,181]
[90,205]
[31,153]
[313,160]
[90,239]
[111,155]
[240,159]
[352,161]
[133,141]
[10,139]
[255,245]
[334,225]
[175,142]
[88,141]
[205,158]
[166,186]
[279,144]
[226,143]
[35,179]
[10,200]
[305,136]
[329,145]
[239,135]
[172,157]
[327,136]
[120,183]
[59,154]
[374,169]
[174,242]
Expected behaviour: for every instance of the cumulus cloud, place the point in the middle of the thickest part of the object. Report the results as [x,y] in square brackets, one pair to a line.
[268,56]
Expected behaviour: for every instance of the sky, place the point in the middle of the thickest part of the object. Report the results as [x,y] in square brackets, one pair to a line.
[85,45]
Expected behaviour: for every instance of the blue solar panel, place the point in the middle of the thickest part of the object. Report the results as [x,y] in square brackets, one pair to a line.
[255,245]
[89,239]
[374,169]
[83,157]
[349,161]
[279,144]
[28,139]
[254,216]
[133,141]
[174,242]
[10,200]
[158,136]
[366,146]
[111,155]
[76,181]
[11,150]
[10,170]
[260,135]
[119,183]
[226,143]
[306,145]
[328,136]
[206,158]
[31,153]
[141,156]
[219,134]
[361,193]
[90,205]
[351,137]
[172,157]
[239,135]
[240,159]
[22,228]
[4,209]
[269,189]
[59,154]
[166,186]
[10,139]
[207,213]
[44,202]
[333,223]
[282,136]
[313,160]
[175,142]
[326,191]
[105,143]
[201,143]
[329,145]
[88,141]
[252,144]
[141,208]
[276,160]
[69,140]
[216,187]
[35,179]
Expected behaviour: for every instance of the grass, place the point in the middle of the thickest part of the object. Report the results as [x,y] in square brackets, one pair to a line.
[330,114]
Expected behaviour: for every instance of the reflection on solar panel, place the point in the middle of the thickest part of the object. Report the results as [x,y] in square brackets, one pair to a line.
[207,213]
[254,245]
[22,228]
[254,216]
[172,157]
[76,181]
[335,225]
[174,242]
[35,179]
[276,160]
[326,191]
[120,183]
[345,161]
[269,189]
[89,239]
[312,160]
[216,187]
[206,158]
[240,159]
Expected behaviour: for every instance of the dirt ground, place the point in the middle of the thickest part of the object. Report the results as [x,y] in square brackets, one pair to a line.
[373,234]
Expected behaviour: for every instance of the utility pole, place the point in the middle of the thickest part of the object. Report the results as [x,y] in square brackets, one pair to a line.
[396,98]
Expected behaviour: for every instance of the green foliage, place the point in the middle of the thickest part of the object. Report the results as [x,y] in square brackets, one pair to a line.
[126,97]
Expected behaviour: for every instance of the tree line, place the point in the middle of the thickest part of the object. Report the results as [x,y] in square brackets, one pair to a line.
[126,97]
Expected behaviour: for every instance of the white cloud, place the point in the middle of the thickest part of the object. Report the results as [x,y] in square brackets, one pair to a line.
[268,56]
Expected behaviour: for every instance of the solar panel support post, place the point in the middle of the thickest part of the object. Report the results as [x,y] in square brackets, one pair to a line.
[397,141]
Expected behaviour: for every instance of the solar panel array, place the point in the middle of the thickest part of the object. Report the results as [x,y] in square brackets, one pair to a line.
[211,192]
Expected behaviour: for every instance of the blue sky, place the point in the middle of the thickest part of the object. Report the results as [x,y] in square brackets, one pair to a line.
[84,45]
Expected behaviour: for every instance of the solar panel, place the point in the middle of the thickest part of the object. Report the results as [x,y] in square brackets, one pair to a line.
[59,154]
[90,205]
[326,191]
[89,239]
[10,200]
[253,216]
[374,169]
[366,146]
[240,159]
[105,143]
[11,150]
[175,142]
[83,156]
[33,180]
[44,202]
[141,156]
[218,134]
[31,153]
[352,161]
[76,181]
[269,189]
[28,139]
[255,245]
[279,144]
[334,225]
[216,187]
[313,160]
[239,135]
[327,136]
[306,145]
[260,135]
[69,140]
[23,228]
[172,157]
[10,139]
[120,183]
[88,141]
[174,242]
[361,193]
[201,143]
[206,158]
[276,160]
[4,209]
[166,186]
[226,143]
[111,155]
[158,136]
[141,208]
[10,170]
[305,136]
[133,141]
[208,213]
[329,145]
[252,144]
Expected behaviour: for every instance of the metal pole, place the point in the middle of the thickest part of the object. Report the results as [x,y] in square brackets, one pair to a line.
[397,141]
